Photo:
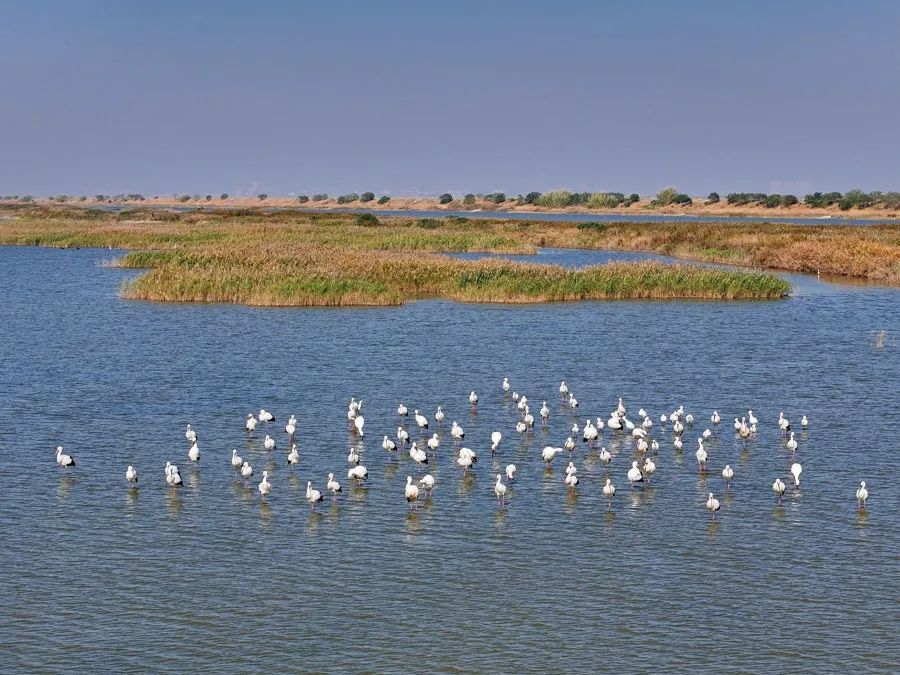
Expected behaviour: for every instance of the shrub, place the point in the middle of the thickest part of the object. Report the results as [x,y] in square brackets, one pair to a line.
[469,199]
[665,196]
[209,198]
[429,223]
[744,198]
[262,196]
[771,201]
[445,198]
[532,197]
[302,199]
[593,226]
[821,200]
[605,200]
[183,198]
[319,198]
[556,199]
[366,197]
[367,220]
[855,199]
[348,198]
[27,198]
[82,198]
[682,198]
[891,200]
[223,196]
[633,198]
[495,197]
[789,200]
[713,198]
[384,199]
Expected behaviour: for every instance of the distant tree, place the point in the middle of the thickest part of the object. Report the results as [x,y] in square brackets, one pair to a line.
[384,199]
[821,200]
[772,200]
[855,199]
[496,197]
[100,198]
[665,197]
[469,199]
[184,198]
[209,198]
[27,198]
[262,196]
[445,198]
[789,200]
[532,197]
[367,220]
[682,199]
[82,198]
[713,198]
[366,197]
[556,199]
[223,196]
[348,198]
[302,199]
[891,200]
[320,197]
[605,200]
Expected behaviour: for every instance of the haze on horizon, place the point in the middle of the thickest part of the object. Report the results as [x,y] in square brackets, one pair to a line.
[407,98]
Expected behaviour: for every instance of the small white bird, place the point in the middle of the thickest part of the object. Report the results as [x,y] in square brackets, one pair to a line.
[569,445]
[359,422]
[505,385]
[778,488]
[715,419]
[570,468]
[291,426]
[433,442]
[605,456]
[402,410]
[804,422]
[548,453]
[246,470]
[521,427]
[545,412]
[411,492]
[783,423]
[712,504]
[132,477]
[571,480]
[250,425]
[65,461]
[511,471]
[464,460]
[352,457]
[426,482]
[194,453]
[689,419]
[496,437]
[312,496]
[332,486]
[473,399]
[264,485]
[266,416]
[706,433]
[727,474]
[269,443]
[402,435]
[862,494]
[609,491]
[649,468]
[796,470]
[293,456]
[236,460]
[421,420]
[439,416]
[417,454]
[388,444]
[190,434]
[457,431]
[677,444]
[573,402]
[701,455]
[500,491]
[359,473]
[563,390]
[792,443]
[634,474]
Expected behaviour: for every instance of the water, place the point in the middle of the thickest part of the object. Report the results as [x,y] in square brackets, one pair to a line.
[96,577]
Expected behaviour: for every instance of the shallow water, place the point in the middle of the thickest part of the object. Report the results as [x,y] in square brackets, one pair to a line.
[210,578]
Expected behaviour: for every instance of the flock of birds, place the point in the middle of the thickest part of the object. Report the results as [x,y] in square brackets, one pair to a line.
[617,423]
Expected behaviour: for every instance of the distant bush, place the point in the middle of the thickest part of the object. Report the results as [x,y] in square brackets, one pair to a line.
[495,197]
[605,200]
[556,199]
[445,198]
[348,198]
[772,200]
[302,198]
[319,198]
[82,198]
[469,199]
[855,199]
[262,196]
[183,198]
[223,196]
[683,199]
[891,200]
[26,198]
[744,198]
[665,197]
[429,223]
[713,198]
[532,197]
[367,220]
[384,199]
[633,198]
[366,197]
[209,198]
[593,226]
[789,200]
[820,200]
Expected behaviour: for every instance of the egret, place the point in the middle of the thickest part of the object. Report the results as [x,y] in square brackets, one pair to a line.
[269,443]
[862,494]
[194,453]
[778,488]
[426,482]
[250,425]
[796,470]
[236,461]
[510,471]
[727,474]
[359,473]
[609,490]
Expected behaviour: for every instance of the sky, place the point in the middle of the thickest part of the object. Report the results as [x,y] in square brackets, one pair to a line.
[414,98]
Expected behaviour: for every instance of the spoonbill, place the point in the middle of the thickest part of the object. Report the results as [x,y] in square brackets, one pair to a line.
[862,494]
[609,490]
[264,485]
[712,504]
[312,496]
[500,491]
[65,461]
[412,492]
[333,487]
[132,477]
[293,456]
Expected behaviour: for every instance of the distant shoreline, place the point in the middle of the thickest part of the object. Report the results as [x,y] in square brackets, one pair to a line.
[643,207]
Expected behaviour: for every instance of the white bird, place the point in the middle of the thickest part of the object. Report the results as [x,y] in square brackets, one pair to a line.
[358,423]
[194,453]
[751,417]
[388,444]
[701,454]
[783,423]
[511,471]
[689,419]
[522,403]
[465,459]
[521,427]
[563,390]
[264,485]
[418,455]
[609,491]
[569,445]
[352,457]
[737,424]
[505,385]
[727,474]
[402,410]
[65,461]
[663,419]
[173,477]
[439,415]
[715,419]
[677,444]
[548,453]
[500,491]
[246,470]
[642,446]
[457,431]
[804,422]
[250,425]
[269,443]
[411,492]
[573,402]
[647,424]
[590,433]
[792,443]
[359,473]
[545,411]
[132,477]
[236,461]
[706,433]
[778,488]
[570,468]
[605,456]
[621,407]
[433,442]
[649,467]
[678,427]
[712,504]
[291,426]
[266,416]
[634,474]
[862,494]
[421,420]
[654,445]
[642,413]
[571,480]
[402,435]
[426,482]
[332,486]
[496,437]
[190,434]
[796,470]
[293,456]
[312,496]
[473,398]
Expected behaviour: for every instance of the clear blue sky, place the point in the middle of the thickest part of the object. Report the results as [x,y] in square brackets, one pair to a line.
[422,97]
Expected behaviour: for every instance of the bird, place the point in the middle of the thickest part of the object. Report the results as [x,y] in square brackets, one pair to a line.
[433,442]
[426,482]
[778,488]
[521,427]
[548,453]
[706,433]
[804,422]
[727,474]
[609,491]
[466,458]
[796,470]
[359,473]
[332,486]
[545,411]
[751,418]
[783,423]
[505,385]
[236,461]
[569,445]
[439,416]
[293,456]
[457,431]
[418,455]
[649,468]
[496,437]
[132,476]
[792,443]
[689,419]
[677,444]
[402,410]
[511,472]
[701,455]
[173,477]
[312,496]
[246,470]
[190,434]
[291,426]
[634,474]
[571,480]
[411,492]
[352,457]
[250,425]
[266,416]
[473,398]
[605,456]
[421,420]
[65,461]
[388,444]
[862,494]
[563,390]
[715,419]
[269,443]
[402,435]
[570,468]
[194,452]
[573,402]
[712,504]
[358,423]
[500,491]
[264,484]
